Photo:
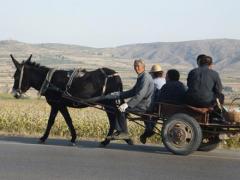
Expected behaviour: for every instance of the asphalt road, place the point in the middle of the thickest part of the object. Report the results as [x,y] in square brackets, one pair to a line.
[23,159]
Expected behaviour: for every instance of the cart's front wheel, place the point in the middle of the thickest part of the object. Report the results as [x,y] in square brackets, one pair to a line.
[181,134]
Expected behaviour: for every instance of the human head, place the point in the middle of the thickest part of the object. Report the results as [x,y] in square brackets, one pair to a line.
[156,71]
[139,66]
[172,75]
[200,56]
[206,60]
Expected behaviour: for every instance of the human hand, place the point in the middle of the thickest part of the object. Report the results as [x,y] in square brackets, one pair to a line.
[123,107]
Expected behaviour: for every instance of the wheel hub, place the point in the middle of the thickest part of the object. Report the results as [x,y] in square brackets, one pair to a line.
[178,135]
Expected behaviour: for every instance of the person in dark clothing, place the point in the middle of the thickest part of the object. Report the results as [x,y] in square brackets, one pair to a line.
[200,56]
[174,90]
[205,90]
[204,85]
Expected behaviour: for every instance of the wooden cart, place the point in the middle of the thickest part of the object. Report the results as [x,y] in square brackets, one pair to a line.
[185,129]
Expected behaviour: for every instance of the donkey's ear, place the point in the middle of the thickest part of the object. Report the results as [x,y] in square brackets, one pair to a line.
[29,59]
[15,62]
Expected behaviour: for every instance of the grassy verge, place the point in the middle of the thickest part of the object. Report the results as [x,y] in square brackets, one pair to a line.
[30,116]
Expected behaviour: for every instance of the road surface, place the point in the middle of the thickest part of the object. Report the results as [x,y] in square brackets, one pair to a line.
[22,158]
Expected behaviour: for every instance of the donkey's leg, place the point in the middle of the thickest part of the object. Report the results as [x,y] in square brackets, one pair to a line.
[51,119]
[68,119]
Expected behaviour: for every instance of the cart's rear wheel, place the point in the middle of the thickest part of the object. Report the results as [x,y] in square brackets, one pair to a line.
[209,143]
[181,134]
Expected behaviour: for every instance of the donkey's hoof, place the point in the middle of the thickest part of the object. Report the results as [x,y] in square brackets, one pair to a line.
[104,143]
[129,141]
[41,141]
[72,144]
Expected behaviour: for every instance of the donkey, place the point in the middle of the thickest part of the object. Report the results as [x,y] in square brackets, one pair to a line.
[88,85]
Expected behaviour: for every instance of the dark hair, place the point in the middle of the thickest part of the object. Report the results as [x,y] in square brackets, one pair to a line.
[206,60]
[173,75]
[157,74]
[200,56]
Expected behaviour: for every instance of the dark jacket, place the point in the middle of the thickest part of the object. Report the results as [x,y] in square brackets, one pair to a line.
[141,94]
[204,85]
[172,92]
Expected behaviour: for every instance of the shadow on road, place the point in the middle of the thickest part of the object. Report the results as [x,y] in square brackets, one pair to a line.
[117,146]
[86,144]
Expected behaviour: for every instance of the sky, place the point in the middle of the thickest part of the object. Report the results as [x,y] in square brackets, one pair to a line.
[110,23]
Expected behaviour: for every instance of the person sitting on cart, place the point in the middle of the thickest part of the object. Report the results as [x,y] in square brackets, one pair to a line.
[174,90]
[158,79]
[141,99]
[204,86]
[157,75]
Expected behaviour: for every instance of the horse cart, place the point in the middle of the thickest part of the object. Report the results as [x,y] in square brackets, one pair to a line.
[185,129]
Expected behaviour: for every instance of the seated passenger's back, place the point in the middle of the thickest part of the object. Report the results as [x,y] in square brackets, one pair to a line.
[173,91]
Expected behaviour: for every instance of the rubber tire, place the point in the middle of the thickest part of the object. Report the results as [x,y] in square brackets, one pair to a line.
[196,134]
[209,146]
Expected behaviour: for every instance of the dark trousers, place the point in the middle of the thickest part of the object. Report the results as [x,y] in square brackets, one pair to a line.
[149,126]
[121,124]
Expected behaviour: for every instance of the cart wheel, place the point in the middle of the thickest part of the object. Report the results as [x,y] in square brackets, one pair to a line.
[181,134]
[209,143]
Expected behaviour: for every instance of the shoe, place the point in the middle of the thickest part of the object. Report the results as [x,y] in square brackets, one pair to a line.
[224,122]
[110,137]
[221,121]
[143,139]
[120,135]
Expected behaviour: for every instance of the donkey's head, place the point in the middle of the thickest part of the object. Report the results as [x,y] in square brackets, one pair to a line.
[21,77]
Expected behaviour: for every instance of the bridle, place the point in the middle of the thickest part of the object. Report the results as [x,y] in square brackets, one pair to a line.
[19,90]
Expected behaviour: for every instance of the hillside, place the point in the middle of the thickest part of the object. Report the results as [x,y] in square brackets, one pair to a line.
[180,55]
[225,52]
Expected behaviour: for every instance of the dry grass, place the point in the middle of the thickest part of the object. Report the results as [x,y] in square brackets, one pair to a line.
[29,117]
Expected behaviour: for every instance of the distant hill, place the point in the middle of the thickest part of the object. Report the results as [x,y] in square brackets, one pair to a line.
[181,55]
[225,52]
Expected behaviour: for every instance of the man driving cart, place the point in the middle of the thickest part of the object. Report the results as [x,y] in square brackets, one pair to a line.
[141,101]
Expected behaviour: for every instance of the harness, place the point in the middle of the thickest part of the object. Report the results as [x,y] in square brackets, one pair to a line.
[76,73]
[106,79]
[20,80]
[46,82]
